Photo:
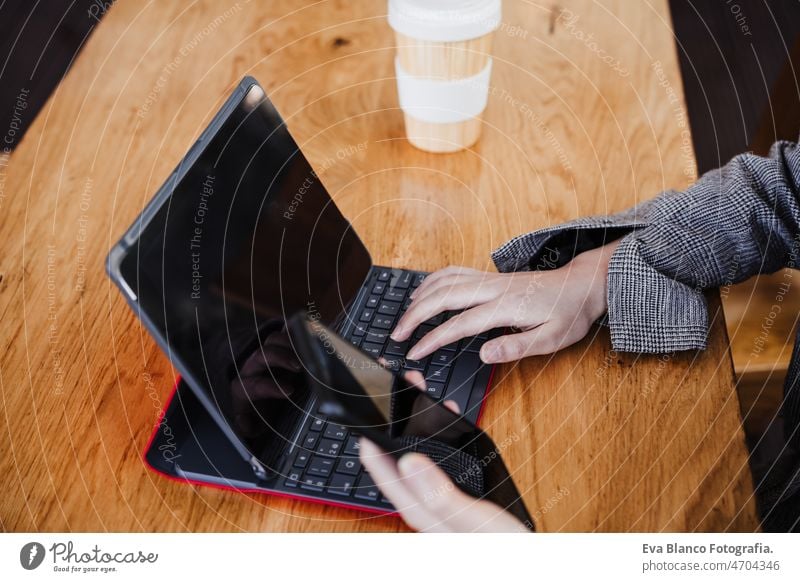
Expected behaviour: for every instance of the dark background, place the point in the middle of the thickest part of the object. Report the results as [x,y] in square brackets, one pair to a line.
[739,62]
[39,39]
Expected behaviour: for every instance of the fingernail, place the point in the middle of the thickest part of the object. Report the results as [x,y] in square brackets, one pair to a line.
[397,334]
[413,353]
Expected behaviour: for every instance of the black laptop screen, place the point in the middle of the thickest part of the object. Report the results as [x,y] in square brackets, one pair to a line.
[248,237]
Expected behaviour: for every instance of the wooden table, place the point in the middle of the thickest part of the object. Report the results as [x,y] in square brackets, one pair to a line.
[576,125]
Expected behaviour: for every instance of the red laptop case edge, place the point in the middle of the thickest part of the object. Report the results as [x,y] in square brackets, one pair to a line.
[331,503]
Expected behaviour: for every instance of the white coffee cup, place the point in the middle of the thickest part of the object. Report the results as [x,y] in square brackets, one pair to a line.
[443,68]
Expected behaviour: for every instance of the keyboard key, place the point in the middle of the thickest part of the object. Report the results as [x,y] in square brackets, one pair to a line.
[353,446]
[311,440]
[395,363]
[472,344]
[415,365]
[367,315]
[329,447]
[348,465]
[434,389]
[453,347]
[373,301]
[436,320]
[442,358]
[377,336]
[301,460]
[384,275]
[383,322]
[320,466]
[335,432]
[372,349]
[388,308]
[317,424]
[293,478]
[360,329]
[437,373]
[396,295]
[401,279]
[341,485]
[421,331]
[311,483]
[394,348]
[378,288]
[356,341]
[367,489]
[418,279]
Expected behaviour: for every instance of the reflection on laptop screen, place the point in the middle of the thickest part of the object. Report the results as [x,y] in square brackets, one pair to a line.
[248,237]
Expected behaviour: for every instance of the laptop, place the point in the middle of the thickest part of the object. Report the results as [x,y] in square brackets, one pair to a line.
[241,236]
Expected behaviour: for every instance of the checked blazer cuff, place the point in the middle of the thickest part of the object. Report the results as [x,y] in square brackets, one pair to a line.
[649,312]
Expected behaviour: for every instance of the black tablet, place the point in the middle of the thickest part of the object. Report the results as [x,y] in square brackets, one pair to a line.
[221,256]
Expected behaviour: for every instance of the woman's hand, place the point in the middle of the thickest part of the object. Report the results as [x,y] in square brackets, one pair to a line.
[426,498]
[549,310]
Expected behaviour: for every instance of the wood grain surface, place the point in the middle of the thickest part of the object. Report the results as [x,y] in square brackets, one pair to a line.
[576,125]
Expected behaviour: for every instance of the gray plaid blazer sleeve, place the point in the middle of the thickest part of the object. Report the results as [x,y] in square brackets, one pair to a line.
[734,222]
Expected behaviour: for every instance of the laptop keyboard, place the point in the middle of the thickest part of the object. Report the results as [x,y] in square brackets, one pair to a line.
[327,461]
[385,304]
[326,458]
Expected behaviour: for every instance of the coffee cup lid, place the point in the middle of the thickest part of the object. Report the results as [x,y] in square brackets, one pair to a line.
[444,20]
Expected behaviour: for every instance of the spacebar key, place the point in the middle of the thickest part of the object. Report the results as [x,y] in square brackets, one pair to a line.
[459,388]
